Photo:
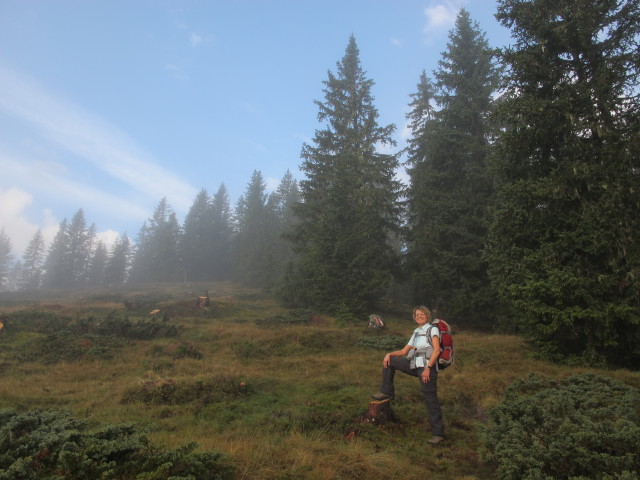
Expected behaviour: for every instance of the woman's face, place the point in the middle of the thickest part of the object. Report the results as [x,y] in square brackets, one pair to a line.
[420,317]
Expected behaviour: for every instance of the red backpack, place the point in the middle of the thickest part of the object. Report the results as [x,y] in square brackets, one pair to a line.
[447,352]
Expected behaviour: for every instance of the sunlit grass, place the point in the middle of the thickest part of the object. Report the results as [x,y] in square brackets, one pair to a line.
[308,386]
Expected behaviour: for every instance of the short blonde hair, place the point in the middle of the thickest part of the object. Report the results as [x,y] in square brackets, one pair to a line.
[424,310]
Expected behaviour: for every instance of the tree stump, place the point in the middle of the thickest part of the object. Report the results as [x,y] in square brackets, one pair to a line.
[379,412]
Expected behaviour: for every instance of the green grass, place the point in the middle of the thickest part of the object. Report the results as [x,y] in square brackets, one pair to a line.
[282,397]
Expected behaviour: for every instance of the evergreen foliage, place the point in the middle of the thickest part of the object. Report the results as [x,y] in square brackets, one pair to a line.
[33,263]
[585,426]
[52,444]
[451,188]
[222,236]
[97,265]
[208,237]
[280,208]
[5,259]
[563,247]
[195,241]
[252,233]
[158,256]
[349,211]
[69,256]
[119,261]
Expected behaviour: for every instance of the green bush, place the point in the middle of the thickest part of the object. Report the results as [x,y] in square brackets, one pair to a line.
[292,317]
[86,338]
[51,444]
[585,426]
[388,342]
[170,392]
[145,302]
[67,346]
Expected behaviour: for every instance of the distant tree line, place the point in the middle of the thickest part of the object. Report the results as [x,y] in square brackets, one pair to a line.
[521,211]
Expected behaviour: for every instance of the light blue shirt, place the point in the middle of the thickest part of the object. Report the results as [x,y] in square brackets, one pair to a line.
[419,340]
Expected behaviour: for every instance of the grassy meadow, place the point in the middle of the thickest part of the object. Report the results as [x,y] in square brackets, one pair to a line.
[280,393]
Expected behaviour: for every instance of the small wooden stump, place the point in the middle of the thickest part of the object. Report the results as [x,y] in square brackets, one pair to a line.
[379,412]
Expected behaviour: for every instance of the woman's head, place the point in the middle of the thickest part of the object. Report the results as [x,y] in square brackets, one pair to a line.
[421,314]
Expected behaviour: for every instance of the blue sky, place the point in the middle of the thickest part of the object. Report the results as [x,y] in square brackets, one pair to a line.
[110,105]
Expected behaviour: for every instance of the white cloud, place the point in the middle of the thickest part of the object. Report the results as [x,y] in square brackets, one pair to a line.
[441,17]
[108,238]
[271,184]
[13,202]
[396,42]
[91,139]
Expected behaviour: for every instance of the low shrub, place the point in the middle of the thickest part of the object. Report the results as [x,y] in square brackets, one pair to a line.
[145,302]
[386,342]
[585,426]
[89,338]
[170,392]
[122,327]
[68,346]
[183,350]
[34,320]
[51,444]
[292,317]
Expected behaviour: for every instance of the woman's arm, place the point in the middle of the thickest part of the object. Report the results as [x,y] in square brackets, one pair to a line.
[397,353]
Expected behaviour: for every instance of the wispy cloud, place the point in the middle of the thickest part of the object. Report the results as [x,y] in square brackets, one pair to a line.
[197,39]
[90,139]
[176,71]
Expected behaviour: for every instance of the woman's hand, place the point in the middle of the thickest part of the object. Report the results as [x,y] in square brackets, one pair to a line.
[387,359]
[426,375]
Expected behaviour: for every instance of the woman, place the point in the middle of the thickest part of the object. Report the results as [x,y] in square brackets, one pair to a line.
[420,359]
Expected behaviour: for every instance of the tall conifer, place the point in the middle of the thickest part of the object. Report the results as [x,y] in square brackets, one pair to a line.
[33,263]
[222,235]
[349,207]
[6,259]
[451,187]
[564,248]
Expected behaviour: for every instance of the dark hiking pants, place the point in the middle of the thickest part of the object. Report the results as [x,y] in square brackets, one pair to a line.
[429,390]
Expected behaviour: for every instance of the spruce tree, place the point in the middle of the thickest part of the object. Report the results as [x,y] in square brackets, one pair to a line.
[6,259]
[33,263]
[563,247]
[81,245]
[118,262]
[280,206]
[57,269]
[251,238]
[451,188]
[69,256]
[157,257]
[222,236]
[142,263]
[349,210]
[96,274]
[196,239]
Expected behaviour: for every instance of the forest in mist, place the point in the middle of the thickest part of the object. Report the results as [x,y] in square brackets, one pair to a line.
[522,207]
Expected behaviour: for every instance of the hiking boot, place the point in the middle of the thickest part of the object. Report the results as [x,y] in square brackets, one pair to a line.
[382,396]
[435,440]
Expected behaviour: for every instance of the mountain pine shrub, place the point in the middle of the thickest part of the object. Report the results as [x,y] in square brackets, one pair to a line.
[52,444]
[585,426]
